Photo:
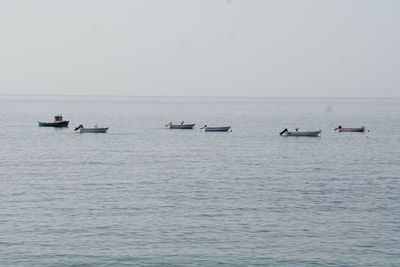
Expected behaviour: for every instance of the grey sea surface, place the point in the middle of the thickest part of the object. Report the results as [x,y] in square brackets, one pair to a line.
[144,195]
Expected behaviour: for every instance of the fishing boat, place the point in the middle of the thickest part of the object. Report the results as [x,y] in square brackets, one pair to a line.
[357,130]
[182,125]
[94,129]
[58,122]
[216,129]
[313,133]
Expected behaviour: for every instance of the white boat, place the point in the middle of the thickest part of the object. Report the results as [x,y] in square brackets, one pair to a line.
[216,129]
[313,133]
[358,130]
[180,126]
[94,129]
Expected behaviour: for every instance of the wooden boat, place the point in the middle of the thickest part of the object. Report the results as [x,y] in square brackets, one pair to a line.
[216,129]
[180,126]
[58,122]
[95,129]
[313,133]
[358,130]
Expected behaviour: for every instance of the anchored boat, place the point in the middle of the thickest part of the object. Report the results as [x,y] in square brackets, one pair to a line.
[58,122]
[215,129]
[95,129]
[313,133]
[180,126]
[358,130]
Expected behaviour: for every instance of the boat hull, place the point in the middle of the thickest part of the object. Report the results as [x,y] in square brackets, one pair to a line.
[352,130]
[304,133]
[182,126]
[217,129]
[53,124]
[93,130]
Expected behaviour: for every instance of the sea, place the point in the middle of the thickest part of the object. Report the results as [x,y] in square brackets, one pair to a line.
[145,195]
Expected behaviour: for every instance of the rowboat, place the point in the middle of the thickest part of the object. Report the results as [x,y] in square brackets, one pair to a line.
[216,129]
[313,133]
[94,129]
[180,126]
[358,130]
[58,122]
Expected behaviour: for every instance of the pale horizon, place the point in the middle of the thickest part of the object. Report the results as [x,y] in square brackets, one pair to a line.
[200,96]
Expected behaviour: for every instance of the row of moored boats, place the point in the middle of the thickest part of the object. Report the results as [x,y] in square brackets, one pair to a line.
[60,122]
[315,133]
[190,126]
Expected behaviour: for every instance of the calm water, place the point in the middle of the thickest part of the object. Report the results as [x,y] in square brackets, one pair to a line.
[142,195]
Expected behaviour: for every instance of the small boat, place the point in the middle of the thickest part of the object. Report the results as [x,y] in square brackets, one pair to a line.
[95,129]
[358,130]
[313,133]
[215,129]
[58,122]
[180,126]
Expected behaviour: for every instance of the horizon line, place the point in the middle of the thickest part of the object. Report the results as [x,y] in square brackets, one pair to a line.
[185,96]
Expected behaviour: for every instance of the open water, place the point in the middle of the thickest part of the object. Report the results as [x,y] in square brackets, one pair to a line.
[143,195]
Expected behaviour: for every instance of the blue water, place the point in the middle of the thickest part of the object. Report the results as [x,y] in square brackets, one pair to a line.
[143,195]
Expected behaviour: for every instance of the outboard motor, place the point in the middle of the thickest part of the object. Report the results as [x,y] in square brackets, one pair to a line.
[77,128]
[284,131]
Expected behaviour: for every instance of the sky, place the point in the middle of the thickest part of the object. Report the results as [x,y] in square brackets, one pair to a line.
[235,48]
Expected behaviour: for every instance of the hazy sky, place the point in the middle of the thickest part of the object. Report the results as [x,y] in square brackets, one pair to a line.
[294,48]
